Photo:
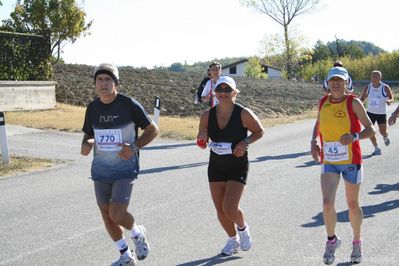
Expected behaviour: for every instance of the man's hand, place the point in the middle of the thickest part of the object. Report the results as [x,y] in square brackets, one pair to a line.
[315,150]
[86,147]
[346,139]
[392,119]
[127,151]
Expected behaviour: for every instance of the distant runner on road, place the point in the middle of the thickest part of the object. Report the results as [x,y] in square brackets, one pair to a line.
[379,96]
[208,94]
[338,127]
[227,125]
[111,126]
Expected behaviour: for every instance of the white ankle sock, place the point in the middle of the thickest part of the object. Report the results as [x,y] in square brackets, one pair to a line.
[233,237]
[135,230]
[122,244]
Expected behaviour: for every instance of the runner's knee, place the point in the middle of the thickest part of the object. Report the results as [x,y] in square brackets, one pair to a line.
[230,211]
[328,204]
[117,215]
[353,205]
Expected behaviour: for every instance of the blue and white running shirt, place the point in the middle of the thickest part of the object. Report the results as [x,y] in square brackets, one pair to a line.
[110,125]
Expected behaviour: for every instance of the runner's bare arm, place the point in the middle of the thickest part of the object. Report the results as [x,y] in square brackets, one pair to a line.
[364,94]
[392,118]
[202,136]
[252,123]
[205,96]
[87,144]
[149,133]
[390,97]
[128,150]
[360,111]
[314,148]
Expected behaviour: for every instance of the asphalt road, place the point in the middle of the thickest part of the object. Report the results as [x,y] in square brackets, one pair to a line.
[50,217]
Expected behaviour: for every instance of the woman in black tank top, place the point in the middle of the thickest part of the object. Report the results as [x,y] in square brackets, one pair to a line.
[226,126]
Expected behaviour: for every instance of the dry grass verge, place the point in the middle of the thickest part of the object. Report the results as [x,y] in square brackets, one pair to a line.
[70,118]
[20,164]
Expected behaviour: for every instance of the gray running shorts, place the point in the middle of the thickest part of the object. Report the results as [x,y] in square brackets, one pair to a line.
[115,191]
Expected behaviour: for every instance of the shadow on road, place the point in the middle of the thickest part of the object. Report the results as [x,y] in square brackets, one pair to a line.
[367,156]
[168,146]
[384,188]
[210,261]
[368,212]
[281,157]
[308,164]
[174,167]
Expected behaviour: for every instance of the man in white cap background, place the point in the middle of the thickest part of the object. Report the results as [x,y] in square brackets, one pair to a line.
[227,125]
[338,126]
[379,95]
[111,127]
[349,86]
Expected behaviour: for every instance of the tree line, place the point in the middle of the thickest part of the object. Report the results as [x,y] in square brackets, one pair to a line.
[62,22]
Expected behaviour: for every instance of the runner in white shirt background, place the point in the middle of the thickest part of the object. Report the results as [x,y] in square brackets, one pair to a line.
[379,96]
[208,94]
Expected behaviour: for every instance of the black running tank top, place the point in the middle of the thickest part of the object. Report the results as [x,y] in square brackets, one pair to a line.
[234,131]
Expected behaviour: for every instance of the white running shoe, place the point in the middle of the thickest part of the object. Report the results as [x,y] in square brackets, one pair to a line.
[357,253]
[125,261]
[245,239]
[329,254]
[231,247]
[142,246]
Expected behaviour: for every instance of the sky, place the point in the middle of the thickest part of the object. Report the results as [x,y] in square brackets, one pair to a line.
[148,33]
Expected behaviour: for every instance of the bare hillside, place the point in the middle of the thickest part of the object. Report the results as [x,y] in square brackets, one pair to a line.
[265,97]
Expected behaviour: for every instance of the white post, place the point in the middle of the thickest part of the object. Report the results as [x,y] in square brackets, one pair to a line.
[157,110]
[3,140]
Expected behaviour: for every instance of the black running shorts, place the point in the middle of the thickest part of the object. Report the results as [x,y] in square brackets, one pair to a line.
[223,168]
[380,118]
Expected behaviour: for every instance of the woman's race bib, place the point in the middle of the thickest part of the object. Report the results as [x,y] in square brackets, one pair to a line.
[335,152]
[221,148]
[108,139]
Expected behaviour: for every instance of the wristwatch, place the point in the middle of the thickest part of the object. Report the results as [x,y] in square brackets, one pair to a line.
[135,148]
[247,140]
[355,137]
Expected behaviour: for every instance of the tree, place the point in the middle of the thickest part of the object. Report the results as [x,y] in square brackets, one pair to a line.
[177,67]
[320,52]
[283,12]
[59,21]
[254,68]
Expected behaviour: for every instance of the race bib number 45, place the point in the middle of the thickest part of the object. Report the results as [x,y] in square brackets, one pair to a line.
[108,139]
[335,152]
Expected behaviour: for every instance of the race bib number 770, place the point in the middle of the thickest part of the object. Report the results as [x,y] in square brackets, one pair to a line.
[108,139]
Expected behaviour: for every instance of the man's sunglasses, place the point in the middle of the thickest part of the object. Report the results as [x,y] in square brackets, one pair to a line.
[223,88]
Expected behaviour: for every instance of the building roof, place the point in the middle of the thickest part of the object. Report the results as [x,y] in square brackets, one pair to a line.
[245,60]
